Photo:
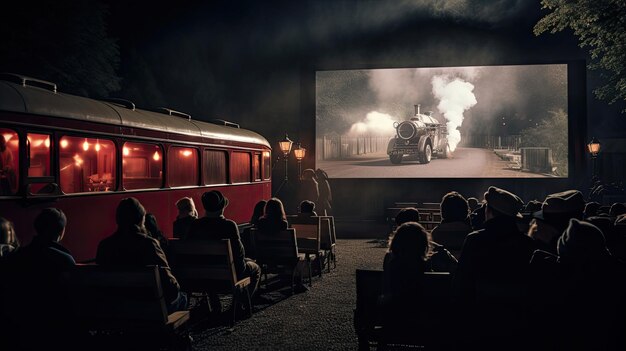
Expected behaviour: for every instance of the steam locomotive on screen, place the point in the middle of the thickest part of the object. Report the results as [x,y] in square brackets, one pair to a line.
[422,136]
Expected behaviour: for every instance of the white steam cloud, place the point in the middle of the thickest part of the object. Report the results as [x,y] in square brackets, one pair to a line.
[455,97]
[375,123]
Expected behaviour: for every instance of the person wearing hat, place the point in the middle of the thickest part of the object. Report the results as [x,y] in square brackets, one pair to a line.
[549,223]
[492,272]
[214,226]
[132,246]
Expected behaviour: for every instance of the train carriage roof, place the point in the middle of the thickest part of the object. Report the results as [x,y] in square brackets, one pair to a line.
[23,98]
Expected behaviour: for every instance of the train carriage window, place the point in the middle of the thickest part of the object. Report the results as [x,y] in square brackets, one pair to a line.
[39,162]
[215,168]
[257,167]
[9,161]
[240,167]
[267,165]
[142,166]
[182,166]
[86,164]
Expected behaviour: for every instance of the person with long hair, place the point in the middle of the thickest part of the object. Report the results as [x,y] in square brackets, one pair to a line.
[274,218]
[187,213]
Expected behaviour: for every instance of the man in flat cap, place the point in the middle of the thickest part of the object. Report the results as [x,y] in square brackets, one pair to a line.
[214,226]
[492,273]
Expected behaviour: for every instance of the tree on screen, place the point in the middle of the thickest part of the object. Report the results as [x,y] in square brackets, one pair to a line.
[551,132]
[600,26]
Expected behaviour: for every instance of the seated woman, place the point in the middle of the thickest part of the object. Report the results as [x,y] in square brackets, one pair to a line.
[257,213]
[274,218]
[186,215]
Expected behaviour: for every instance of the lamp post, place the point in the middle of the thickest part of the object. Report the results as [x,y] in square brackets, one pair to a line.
[594,147]
[285,147]
[299,152]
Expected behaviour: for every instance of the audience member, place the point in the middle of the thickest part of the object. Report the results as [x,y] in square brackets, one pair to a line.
[307,209]
[477,217]
[556,211]
[325,199]
[214,226]
[472,203]
[309,188]
[492,274]
[439,259]
[591,209]
[617,209]
[132,246]
[274,218]
[186,215]
[454,226]
[257,212]
[8,239]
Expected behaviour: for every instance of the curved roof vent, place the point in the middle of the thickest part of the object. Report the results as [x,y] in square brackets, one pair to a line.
[171,112]
[121,102]
[28,81]
[224,123]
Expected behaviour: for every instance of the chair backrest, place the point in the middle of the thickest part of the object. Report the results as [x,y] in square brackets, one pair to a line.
[331,220]
[107,296]
[276,248]
[308,234]
[202,265]
[326,240]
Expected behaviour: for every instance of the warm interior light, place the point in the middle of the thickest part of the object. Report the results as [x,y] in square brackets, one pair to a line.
[186,153]
[77,160]
[156,156]
[85,145]
[7,136]
[125,151]
[46,142]
[97,147]
[299,152]
[64,143]
[38,143]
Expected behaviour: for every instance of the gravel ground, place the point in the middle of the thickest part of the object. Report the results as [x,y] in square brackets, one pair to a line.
[318,319]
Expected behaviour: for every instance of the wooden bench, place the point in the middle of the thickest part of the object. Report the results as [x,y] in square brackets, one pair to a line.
[122,307]
[207,266]
[277,253]
[308,235]
[368,314]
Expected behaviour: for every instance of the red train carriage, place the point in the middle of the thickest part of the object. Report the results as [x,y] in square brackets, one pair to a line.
[83,156]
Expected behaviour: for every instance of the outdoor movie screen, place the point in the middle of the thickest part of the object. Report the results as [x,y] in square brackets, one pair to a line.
[444,122]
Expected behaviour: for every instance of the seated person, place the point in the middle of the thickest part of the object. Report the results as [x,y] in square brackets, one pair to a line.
[257,212]
[186,215]
[214,226]
[454,226]
[152,226]
[307,209]
[8,240]
[274,218]
[132,246]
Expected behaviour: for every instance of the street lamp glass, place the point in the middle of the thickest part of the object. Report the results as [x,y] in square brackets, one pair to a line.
[299,152]
[594,147]
[285,145]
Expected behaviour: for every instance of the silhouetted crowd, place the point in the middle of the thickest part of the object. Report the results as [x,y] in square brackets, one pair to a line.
[544,275]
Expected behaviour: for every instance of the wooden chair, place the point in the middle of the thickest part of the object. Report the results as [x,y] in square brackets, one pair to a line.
[278,253]
[368,316]
[119,307]
[328,240]
[308,235]
[207,266]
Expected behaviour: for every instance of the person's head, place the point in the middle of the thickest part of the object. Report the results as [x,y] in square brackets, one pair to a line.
[532,206]
[591,209]
[409,214]
[558,208]
[454,207]
[617,209]
[151,225]
[50,224]
[472,203]
[501,203]
[410,241]
[214,202]
[308,174]
[274,209]
[581,241]
[258,211]
[321,174]
[307,206]
[130,214]
[186,208]
[7,233]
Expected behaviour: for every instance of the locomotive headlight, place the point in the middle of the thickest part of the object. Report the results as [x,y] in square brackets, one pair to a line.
[406,130]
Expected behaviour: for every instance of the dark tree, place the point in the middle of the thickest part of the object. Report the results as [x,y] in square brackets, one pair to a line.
[65,42]
[599,25]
